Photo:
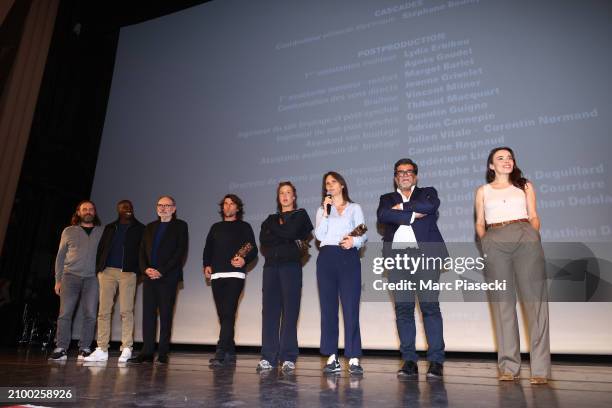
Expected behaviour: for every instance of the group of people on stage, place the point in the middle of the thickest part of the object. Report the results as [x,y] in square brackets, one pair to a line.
[94,262]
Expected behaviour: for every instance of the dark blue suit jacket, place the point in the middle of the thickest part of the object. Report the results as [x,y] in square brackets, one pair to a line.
[423,200]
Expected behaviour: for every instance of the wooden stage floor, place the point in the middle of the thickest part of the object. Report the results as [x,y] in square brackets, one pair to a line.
[188,381]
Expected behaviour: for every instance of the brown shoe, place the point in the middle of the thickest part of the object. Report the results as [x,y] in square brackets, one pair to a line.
[538,380]
[508,377]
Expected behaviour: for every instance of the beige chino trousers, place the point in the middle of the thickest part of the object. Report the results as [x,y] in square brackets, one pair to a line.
[110,280]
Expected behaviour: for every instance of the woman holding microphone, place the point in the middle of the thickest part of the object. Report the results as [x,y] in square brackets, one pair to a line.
[507,224]
[282,238]
[339,271]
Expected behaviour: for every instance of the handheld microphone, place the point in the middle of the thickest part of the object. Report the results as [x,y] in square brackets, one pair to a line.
[328,206]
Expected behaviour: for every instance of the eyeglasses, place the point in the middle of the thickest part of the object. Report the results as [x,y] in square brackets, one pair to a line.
[165,205]
[405,173]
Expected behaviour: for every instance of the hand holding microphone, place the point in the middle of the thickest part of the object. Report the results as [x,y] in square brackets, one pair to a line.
[327,204]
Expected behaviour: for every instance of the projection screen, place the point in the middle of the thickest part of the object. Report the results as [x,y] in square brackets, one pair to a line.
[235,96]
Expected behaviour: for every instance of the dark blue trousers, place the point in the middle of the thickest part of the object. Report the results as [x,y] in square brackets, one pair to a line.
[339,275]
[430,310]
[282,293]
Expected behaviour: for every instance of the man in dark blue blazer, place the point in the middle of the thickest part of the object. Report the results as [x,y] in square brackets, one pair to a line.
[409,216]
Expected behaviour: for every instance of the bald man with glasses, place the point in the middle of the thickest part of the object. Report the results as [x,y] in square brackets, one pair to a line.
[163,252]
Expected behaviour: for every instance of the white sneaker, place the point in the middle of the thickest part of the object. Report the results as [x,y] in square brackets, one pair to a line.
[288,366]
[126,354]
[264,365]
[97,355]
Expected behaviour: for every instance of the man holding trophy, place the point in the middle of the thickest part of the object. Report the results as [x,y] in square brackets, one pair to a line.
[230,247]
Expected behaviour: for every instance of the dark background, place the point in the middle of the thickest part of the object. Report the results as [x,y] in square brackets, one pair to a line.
[60,160]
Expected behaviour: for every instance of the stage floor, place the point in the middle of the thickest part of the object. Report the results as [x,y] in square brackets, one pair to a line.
[188,381]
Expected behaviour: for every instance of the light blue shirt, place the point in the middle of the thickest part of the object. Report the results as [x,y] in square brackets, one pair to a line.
[330,230]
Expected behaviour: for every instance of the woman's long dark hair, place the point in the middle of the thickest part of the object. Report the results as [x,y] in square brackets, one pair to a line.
[339,179]
[281,185]
[516,177]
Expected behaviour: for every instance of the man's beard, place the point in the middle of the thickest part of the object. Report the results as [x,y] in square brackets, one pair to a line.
[86,218]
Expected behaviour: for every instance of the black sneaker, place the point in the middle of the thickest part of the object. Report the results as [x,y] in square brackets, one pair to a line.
[216,362]
[84,352]
[141,358]
[435,370]
[219,355]
[409,370]
[162,359]
[222,359]
[59,354]
[230,358]
[354,367]
[332,366]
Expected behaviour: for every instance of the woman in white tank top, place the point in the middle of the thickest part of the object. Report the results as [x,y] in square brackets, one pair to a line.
[507,225]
